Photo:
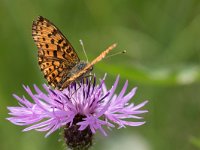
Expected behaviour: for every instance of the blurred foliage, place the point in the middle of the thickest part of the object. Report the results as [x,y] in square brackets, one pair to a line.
[195,141]
[162,39]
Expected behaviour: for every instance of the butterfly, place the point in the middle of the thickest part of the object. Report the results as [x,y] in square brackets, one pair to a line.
[57,58]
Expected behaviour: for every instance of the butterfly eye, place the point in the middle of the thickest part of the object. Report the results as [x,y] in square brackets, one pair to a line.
[81,65]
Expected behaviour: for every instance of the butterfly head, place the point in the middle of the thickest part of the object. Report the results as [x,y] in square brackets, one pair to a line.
[81,65]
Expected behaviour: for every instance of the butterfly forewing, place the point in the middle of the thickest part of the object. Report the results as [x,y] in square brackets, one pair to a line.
[56,56]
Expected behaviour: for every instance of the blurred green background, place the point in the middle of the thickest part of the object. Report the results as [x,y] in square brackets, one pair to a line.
[162,39]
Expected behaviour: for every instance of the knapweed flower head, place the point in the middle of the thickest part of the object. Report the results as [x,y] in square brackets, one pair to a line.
[82,109]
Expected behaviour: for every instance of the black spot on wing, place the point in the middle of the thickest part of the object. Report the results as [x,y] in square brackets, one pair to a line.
[55,53]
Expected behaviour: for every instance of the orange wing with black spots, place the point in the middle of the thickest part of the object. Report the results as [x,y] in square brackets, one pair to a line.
[56,56]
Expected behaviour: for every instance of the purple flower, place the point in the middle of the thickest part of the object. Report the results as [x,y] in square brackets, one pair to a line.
[86,105]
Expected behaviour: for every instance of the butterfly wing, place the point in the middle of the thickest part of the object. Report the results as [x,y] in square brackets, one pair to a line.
[88,67]
[56,56]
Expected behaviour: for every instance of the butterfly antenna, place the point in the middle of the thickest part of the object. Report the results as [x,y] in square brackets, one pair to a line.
[122,52]
[81,42]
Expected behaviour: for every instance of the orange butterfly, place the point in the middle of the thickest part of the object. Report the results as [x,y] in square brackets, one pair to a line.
[57,58]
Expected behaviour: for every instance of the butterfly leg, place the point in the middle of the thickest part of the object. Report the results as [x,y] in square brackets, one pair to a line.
[77,88]
[84,81]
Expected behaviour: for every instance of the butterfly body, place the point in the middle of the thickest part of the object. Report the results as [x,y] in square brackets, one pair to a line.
[57,58]
[78,67]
